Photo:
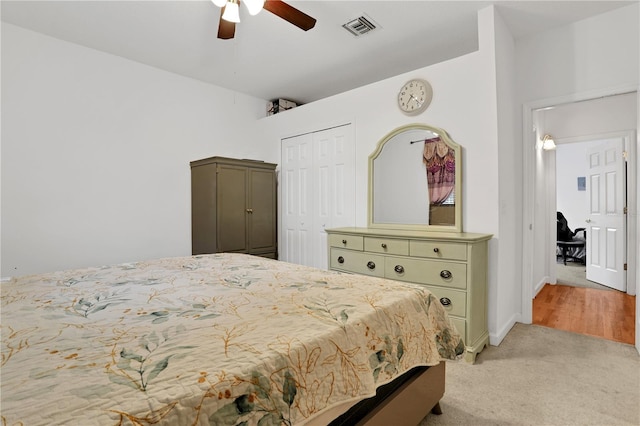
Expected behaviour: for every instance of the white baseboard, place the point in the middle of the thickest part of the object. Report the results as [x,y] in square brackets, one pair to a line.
[540,284]
[496,339]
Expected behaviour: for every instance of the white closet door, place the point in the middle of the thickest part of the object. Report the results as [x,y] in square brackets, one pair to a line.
[318,190]
[296,181]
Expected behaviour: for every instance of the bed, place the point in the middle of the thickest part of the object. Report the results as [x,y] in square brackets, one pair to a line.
[221,339]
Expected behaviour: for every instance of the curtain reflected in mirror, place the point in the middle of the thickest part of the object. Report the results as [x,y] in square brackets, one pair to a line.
[414,180]
[440,166]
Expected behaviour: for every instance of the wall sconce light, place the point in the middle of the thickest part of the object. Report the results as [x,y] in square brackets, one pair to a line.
[548,143]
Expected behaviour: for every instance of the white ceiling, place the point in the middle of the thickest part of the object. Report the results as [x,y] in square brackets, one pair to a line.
[270,58]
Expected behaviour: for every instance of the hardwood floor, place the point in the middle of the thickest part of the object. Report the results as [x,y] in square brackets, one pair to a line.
[601,313]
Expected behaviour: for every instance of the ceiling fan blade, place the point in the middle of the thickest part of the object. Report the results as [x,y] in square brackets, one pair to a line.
[290,14]
[226,29]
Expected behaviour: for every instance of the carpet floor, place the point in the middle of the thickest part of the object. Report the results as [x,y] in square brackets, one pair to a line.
[575,274]
[541,376]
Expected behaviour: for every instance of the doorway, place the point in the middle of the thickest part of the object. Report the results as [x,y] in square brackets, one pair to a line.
[539,210]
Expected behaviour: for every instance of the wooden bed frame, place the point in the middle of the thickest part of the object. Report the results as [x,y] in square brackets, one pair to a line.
[410,398]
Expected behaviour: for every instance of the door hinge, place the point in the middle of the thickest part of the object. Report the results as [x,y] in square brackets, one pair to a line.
[625,266]
[624,210]
[625,154]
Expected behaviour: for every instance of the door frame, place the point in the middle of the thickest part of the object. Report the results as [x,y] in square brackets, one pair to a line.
[529,202]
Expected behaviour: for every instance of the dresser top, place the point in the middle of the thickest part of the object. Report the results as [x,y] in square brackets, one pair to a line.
[405,233]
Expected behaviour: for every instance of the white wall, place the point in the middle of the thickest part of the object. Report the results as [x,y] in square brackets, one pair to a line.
[507,294]
[96,152]
[588,59]
[465,105]
[571,163]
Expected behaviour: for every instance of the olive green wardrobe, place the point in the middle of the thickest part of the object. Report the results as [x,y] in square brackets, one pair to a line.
[233,207]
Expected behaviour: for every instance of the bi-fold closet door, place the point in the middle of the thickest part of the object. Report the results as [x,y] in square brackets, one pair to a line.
[318,192]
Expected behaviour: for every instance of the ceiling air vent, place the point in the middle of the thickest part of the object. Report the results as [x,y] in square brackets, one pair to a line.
[360,26]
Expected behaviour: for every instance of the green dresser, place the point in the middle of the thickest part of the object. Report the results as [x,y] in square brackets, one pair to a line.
[453,266]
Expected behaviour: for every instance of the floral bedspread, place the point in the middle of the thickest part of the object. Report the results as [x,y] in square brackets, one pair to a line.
[223,339]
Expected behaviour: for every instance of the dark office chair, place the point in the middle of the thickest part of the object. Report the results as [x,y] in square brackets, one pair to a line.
[570,244]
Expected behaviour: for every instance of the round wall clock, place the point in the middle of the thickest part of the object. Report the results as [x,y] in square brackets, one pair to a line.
[415,96]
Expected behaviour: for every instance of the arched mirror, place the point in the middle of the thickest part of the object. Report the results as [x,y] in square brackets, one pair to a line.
[415,181]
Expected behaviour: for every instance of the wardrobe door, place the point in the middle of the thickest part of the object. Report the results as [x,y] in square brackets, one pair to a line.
[261,213]
[203,209]
[232,209]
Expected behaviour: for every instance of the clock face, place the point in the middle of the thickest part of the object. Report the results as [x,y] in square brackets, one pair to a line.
[415,96]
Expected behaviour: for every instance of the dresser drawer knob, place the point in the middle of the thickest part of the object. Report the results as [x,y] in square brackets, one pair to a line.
[436,250]
[340,259]
[399,269]
[371,265]
[445,301]
[445,274]
[344,242]
[384,246]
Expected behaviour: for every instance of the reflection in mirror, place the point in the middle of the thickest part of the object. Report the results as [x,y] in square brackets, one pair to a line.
[414,179]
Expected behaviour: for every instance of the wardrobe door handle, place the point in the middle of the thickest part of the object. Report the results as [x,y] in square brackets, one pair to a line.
[340,259]
[399,269]
[384,246]
[445,301]
[344,242]
[371,265]
[436,250]
[445,274]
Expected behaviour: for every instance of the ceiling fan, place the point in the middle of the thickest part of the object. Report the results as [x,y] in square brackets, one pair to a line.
[230,14]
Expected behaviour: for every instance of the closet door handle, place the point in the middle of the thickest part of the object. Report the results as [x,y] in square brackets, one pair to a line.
[249,211]
[436,250]
[371,265]
[399,269]
[445,274]
[445,301]
[340,259]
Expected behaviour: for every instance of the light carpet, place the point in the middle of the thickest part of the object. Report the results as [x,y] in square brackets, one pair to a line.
[575,274]
[541,376]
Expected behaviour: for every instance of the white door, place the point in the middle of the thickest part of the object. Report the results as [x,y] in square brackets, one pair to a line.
[296,183]
[318,190]
[606,224]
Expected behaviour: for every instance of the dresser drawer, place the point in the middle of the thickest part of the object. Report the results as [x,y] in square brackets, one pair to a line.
[357,262]
[423,271]
[456,299]
[351,242]
[387,246]
[438,250]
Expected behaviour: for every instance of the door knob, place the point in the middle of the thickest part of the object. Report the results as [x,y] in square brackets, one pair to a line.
[588,220]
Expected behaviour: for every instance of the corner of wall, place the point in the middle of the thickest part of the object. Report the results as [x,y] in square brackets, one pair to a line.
[496,338]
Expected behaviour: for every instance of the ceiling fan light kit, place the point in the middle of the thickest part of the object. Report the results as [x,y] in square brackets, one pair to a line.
[254,6]
[230,14]
[231,11]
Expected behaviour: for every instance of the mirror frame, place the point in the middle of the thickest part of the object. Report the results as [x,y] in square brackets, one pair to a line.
[457,227]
